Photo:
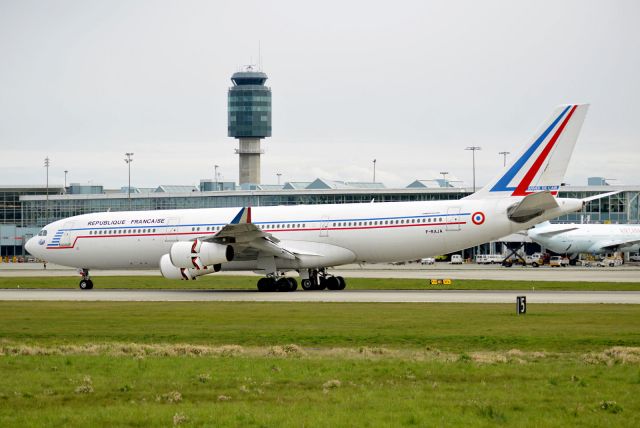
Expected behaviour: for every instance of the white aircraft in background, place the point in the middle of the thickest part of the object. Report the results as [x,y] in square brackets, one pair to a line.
[587,238]
[188,243]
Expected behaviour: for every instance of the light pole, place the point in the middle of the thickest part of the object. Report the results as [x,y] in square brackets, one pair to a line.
[473,152]
[128,160]
[444,178]
[46,210]
[504,154]
[215,178]
[278,174]
[65,179]
[374,170]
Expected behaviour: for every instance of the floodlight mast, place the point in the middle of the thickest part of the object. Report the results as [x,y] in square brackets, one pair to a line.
[128,160]
[473,152]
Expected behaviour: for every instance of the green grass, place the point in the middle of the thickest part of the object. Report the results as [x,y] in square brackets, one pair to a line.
[267,391]
[455,327]
[126,364]
[216,282]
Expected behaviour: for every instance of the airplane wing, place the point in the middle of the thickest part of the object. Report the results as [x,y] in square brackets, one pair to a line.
[615,244]
[248,239]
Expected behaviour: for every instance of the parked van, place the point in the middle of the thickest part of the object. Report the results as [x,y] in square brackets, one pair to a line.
[456,259]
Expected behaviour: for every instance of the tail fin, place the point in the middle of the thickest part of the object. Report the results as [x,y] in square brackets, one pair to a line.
[543,162]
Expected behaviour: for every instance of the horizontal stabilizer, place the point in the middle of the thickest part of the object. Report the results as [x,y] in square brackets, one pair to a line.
[531,207]
[601,195]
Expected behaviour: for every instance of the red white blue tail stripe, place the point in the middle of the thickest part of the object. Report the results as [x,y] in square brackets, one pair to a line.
[525,175]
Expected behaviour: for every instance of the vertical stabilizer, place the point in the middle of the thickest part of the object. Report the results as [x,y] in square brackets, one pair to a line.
[542,164]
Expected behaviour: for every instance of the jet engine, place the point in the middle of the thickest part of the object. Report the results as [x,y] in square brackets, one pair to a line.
[169,271]
[197,254]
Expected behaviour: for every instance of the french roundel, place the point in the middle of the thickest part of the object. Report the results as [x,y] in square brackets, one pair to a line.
[477,218]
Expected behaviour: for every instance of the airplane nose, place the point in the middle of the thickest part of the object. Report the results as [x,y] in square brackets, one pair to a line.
[31,246]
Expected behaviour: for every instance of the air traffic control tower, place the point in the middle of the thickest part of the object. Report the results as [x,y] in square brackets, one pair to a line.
[249,119]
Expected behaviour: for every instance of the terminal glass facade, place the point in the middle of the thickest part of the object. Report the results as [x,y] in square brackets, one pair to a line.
[623,207]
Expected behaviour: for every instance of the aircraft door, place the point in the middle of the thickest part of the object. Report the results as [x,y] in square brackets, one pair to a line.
[172,229]
[453,219]
[67,234]
[324,227]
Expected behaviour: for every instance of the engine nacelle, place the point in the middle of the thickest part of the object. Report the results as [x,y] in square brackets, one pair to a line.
[197,254]
[169,271]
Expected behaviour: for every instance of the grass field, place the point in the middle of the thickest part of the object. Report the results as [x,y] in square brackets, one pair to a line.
[249,283]
[317,364]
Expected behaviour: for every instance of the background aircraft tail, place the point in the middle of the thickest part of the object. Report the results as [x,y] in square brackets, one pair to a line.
[541,165]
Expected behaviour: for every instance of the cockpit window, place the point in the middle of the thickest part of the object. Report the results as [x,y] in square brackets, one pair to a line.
[43,232]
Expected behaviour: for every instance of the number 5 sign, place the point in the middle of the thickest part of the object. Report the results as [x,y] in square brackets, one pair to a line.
[521,305]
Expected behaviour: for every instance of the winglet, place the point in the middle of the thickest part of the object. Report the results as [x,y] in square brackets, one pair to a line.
[243,216]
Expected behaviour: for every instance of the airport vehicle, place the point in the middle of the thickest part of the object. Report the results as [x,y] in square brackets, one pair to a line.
[188,243]
[610,262]
[558,261]
[487,259]
[587,238]
[456,259]
[535,259]
[427,261]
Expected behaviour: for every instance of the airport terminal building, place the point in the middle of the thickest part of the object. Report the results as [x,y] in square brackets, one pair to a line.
[25,209]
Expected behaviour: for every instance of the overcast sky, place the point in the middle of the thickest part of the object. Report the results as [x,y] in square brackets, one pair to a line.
[409,83]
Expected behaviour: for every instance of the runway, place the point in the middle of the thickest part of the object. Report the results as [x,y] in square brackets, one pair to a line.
[628,273]
[345,296]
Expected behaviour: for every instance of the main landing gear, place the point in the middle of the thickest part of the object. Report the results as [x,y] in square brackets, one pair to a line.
[85,282]
[271,283]
[312,279]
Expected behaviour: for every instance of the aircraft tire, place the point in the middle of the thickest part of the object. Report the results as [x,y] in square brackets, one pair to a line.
[265,284]
[86,284]
[507,264]
[307,284]
[283,284]
[342,282]
[293,284]
[322,284]
[333,283]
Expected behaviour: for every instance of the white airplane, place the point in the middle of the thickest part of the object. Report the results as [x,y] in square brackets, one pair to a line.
[188,243]
[587,238]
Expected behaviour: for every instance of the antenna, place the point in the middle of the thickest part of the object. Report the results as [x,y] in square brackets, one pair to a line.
[259,57]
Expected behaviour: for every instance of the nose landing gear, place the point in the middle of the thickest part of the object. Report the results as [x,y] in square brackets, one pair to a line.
[85,282]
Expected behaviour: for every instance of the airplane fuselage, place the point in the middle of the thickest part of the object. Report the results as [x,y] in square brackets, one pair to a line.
[342,233]
[591,238]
